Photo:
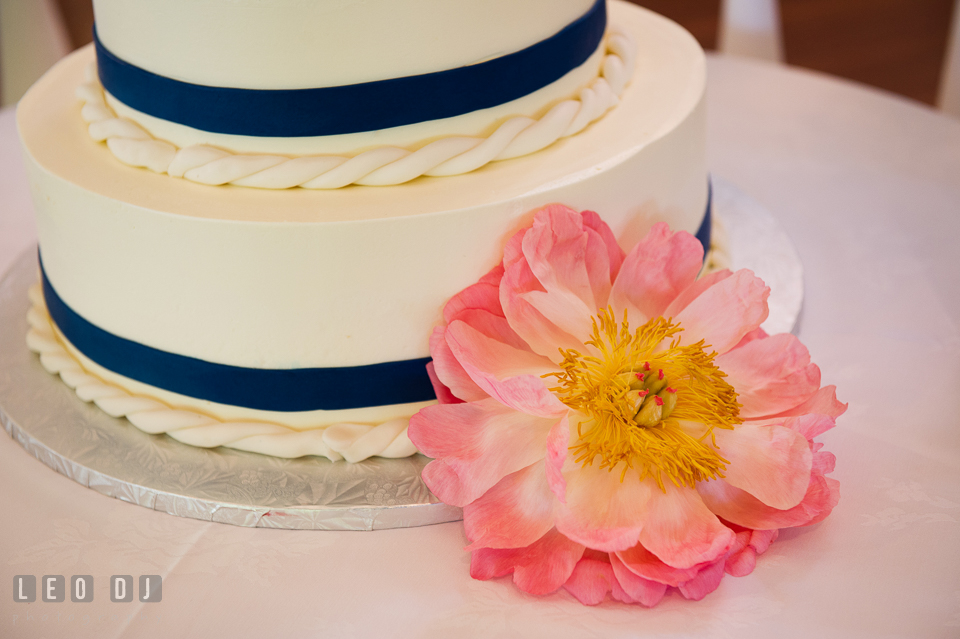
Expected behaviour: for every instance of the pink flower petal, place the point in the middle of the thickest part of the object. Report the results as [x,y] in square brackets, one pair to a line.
[680,530]
[539,568]
[742,558]
[761,539]
[824,402]
[645,564]
[755,334]
[614,253]
[602,512]
[475,446]
[694,291]
[449,372]
[809,426]
[656,271]
[770,375]
[725,312]
[541,334]
[740,507]
[569,260]
[557,442]
[741,564]
[591,581]
[772,463]
[644,591]
[515,513]
[444,395]
[706,581]
[484,295]
[510,375]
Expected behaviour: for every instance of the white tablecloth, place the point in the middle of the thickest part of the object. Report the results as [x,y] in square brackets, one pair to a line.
[868,187]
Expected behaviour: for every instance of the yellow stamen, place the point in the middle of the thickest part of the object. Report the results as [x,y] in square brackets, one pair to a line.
[634,391]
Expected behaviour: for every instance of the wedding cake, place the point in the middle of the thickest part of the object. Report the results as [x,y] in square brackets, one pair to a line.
[250,215]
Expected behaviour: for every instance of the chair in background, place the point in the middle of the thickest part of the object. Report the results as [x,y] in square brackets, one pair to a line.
[948,99]
[32,38]
[751,28]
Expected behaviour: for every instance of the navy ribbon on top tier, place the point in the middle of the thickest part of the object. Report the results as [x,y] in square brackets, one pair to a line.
[355,108]
[285,390]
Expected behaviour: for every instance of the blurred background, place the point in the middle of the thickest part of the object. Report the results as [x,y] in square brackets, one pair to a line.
[902,46]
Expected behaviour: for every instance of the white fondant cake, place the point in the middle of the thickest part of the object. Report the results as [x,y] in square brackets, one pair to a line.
[200,310]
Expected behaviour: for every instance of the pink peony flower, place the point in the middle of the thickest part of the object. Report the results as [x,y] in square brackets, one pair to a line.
[612,425]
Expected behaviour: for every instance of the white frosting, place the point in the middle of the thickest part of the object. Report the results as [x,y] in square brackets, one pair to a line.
[387,165]
[300,278]
[294,44]
[352,442]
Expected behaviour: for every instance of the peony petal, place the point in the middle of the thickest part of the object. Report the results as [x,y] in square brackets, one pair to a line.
[569,260]
[645,564]
[493,326]
[706,581]
[645,591]
[557,443]
[444,395]
[484,295]
[772,463]
[810,426]
[824,402]
[591,581]
[602,512]
[515,513]
[564,277]
[742,558]
[449,372]
[770,375]
[760,540]
[694,291]
[680,530]
[511,375]
[657,271]
[740,507]
[725,312]
[475,446]
[539,568]
[541,334]
[614,253]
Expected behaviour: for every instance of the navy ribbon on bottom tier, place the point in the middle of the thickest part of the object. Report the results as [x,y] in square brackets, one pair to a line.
[283,390]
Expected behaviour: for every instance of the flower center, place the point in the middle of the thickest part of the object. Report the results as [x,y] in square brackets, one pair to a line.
[647,401]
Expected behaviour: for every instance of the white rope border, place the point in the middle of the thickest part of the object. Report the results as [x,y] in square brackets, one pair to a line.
[352,442]
[382,166]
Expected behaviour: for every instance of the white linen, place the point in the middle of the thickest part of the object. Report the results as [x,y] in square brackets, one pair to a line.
[868,187]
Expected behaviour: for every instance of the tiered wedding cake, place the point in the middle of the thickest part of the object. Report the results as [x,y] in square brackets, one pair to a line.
[289,192]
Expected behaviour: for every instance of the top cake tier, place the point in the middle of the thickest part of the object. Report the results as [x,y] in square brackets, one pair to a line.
[296,44]
[300,77]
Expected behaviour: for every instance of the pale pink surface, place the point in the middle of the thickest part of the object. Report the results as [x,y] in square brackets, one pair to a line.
[503,453]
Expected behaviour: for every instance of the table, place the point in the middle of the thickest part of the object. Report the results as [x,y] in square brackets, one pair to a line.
[868,187]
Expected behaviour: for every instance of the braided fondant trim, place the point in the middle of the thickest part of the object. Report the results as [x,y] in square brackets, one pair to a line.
[351,442]
[383,166]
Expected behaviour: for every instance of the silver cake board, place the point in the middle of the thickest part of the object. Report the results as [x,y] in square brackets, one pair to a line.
[112,457]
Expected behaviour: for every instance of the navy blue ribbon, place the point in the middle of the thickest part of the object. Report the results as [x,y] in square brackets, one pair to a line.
[285,390]
[369,106]
[706,226]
